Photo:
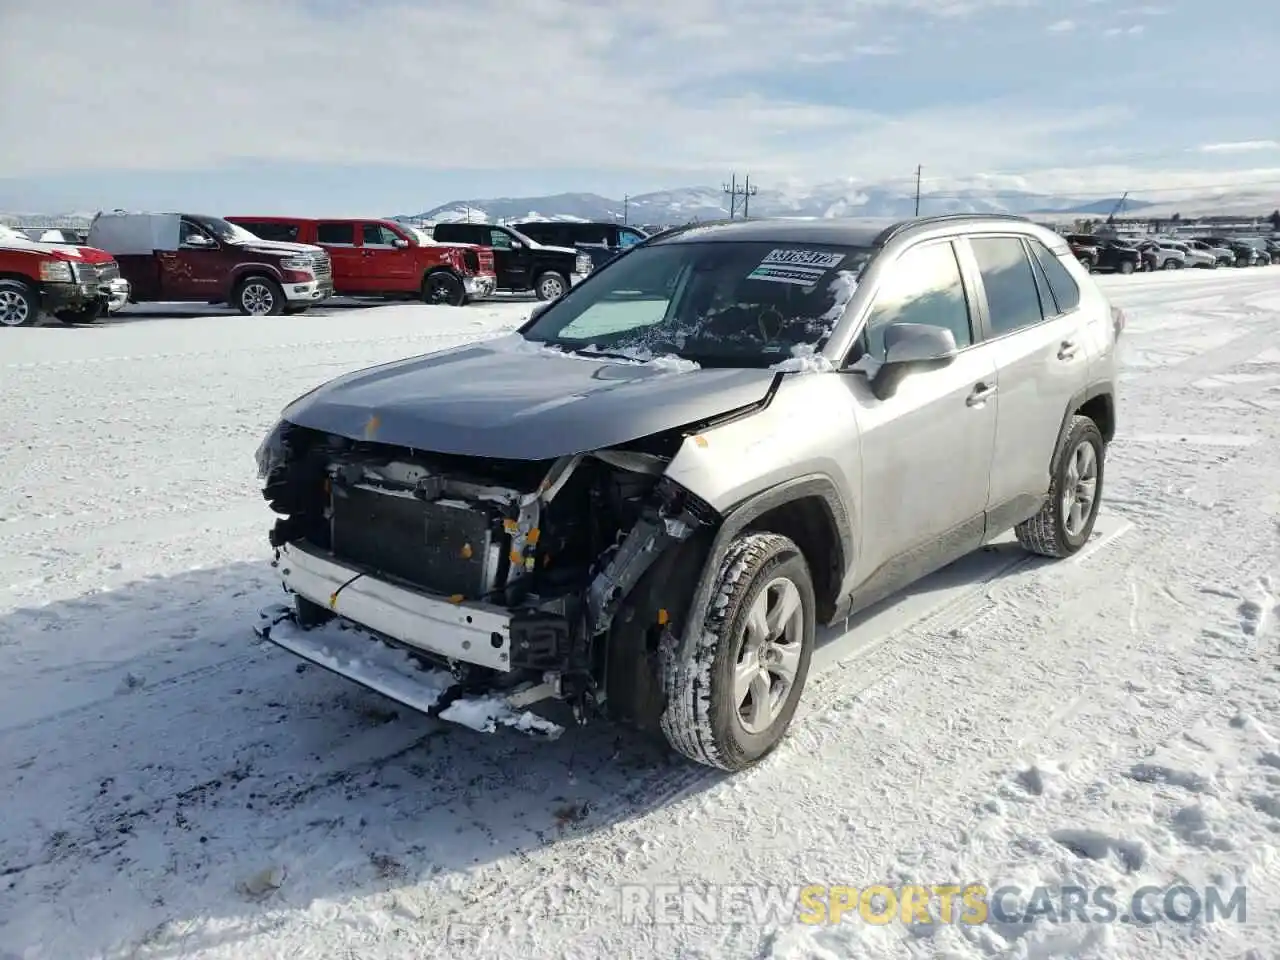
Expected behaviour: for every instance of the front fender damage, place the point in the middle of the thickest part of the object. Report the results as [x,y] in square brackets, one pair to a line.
[584,570]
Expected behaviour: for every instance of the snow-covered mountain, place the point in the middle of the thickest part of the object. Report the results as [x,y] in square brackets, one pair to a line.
[844,198]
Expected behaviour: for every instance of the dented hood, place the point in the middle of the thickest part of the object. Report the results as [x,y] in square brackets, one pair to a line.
[512,399]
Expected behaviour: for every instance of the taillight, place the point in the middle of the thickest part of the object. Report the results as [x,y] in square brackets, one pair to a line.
[472,260]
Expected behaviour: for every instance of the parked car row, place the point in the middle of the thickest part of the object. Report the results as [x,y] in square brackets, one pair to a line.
[1115,254]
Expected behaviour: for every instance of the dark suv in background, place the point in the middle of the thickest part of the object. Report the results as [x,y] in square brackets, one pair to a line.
[522,263]
[600,241]
[1104,253]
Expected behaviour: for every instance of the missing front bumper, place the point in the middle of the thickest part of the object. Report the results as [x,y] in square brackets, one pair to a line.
[344,649]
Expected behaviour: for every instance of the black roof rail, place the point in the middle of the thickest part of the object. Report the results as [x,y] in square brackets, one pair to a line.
[892,231]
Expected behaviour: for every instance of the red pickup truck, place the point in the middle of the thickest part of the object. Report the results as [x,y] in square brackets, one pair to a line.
[383,258]
[75,284]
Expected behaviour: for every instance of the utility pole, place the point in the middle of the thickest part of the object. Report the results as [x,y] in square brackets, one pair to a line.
[919,171]
[746,192]
[626,202]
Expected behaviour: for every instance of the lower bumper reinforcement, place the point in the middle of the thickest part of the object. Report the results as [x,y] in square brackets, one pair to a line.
[469,632]
[348,651]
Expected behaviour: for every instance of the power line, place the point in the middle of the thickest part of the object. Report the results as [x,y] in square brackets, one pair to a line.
[919,171]
[746,192]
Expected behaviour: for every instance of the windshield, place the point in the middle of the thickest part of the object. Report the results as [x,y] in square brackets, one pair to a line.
[226,232]
[736,304]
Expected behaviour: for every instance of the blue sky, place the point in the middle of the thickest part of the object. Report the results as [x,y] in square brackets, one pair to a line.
[373,106]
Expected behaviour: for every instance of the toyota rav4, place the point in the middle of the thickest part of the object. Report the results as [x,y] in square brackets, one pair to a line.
[645,500]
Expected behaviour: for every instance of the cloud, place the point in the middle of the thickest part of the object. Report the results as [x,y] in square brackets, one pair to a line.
[1061,26]
[1135,30]
[465,84]
[1240,146]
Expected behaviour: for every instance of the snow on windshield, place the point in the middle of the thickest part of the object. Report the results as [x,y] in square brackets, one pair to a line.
[748,302]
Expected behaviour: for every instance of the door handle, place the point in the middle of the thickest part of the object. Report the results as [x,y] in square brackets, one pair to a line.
[980,394]
[1067,350]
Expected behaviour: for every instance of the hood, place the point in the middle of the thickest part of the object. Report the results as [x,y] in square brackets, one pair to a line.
[508,398]
[63,251]
[279,247]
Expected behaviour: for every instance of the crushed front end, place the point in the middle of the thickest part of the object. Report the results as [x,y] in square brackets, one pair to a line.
[465,587]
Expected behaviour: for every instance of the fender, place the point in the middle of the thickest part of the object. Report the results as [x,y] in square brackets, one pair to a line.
[740,516]
[1099,388]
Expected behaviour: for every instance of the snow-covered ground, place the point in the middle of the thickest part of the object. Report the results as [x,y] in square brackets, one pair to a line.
[173,788]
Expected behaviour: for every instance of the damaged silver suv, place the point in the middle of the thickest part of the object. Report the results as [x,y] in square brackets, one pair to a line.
[644,500]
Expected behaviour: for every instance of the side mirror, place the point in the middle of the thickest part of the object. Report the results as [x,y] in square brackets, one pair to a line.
[517,245]
[399,243]
[197,242]
[908,347]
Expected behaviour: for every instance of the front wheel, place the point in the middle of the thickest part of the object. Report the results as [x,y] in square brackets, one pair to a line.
[551,285]
[1126,267]
[19,306]
[443,289]
[1065,522]
[732,703]
[259,297]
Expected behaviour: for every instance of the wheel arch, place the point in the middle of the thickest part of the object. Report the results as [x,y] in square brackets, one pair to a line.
[1097,402]
[244,271]
[806,509]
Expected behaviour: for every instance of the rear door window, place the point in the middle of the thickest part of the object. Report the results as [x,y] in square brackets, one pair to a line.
[1013,300]
[1066,292]
[333,234]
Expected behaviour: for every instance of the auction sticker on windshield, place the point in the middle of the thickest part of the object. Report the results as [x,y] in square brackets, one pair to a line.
[802,267]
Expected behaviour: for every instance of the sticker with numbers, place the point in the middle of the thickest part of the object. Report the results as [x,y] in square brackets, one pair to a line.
[802,267]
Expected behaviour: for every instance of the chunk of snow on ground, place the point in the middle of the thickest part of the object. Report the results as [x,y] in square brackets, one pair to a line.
[486,713]
[1191,439]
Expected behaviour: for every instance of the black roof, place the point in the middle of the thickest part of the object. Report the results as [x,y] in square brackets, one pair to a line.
[847,231]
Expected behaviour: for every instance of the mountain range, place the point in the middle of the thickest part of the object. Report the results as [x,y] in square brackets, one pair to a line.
[838,199]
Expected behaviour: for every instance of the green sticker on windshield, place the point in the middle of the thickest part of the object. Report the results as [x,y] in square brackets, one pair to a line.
[801,267]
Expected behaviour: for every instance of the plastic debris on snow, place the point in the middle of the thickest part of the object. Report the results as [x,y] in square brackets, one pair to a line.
[486,713]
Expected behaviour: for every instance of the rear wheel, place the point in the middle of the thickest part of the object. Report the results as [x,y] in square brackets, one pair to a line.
[1088,264]
[1126,266]
[732,703]
[1065,522]
[442,288]
[259,297]
[19,305]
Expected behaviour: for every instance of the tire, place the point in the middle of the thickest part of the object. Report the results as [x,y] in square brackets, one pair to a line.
[72,318]
[703,719]
[551,285]
[19,304]
[1126,267]
[1052,532]
[1169,264]
[442,288]
[259,297]
[1088,264]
